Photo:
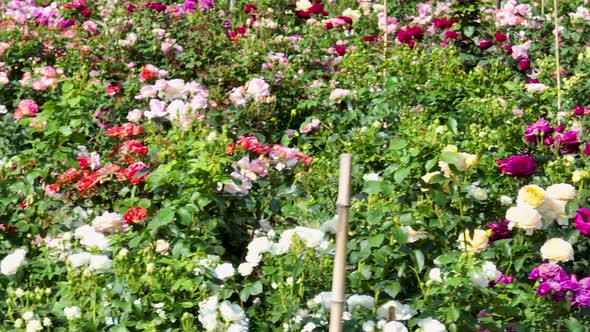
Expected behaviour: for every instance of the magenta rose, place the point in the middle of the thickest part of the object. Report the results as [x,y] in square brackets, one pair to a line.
[518,166]
[582,221]
[537,131]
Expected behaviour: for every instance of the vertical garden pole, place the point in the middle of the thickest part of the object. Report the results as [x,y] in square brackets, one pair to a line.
[557,65]
[232,4]
[385,41]
[339,277]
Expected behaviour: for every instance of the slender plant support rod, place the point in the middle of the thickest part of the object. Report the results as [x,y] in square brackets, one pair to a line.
[557,65]
[339,277]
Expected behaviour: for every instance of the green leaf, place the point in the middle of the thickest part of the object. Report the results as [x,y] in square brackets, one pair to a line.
[401,174]
[376,241]
[163,217]
[67,86]
[400,236]
[452,124]
[398,144]
[419,258]
[392,288]
[185,217]
[574,325]
[65,130]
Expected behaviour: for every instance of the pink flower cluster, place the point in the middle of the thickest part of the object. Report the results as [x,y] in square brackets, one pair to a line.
[23,11]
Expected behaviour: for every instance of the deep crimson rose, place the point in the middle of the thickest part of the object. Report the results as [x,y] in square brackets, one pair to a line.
[369,38]
[159,7]
[485,44]
[131,8]
[250,8]
[500,37]
[404,36]
[318,9]
[582,221]
[341,50]
[416,32]
[499,230]
[518,166]
[451,34]
[524,64]
[533,81]
[302,14]
[579,110]
[241,30]
[507,48]
[443,23]
[329,25]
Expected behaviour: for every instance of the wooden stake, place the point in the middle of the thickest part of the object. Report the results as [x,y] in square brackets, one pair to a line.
[339,277]
[557,65]
[385,41]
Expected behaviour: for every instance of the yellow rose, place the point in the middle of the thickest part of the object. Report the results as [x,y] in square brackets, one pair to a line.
[478,243]
[557,250]
[531,195]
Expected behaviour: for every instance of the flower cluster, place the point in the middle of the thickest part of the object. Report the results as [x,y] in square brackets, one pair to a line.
[554,281]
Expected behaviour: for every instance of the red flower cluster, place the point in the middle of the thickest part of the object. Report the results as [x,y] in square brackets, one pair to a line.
[131,172]
[126,130]
[410,35]
[315,9]
[444,23]
[80,6]
[250,143]
[133,147]
[159,7]
[135,215]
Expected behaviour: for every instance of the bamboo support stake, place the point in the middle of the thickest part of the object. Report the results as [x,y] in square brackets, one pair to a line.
[557,65]
[385,40]
[339,277]
[542,7]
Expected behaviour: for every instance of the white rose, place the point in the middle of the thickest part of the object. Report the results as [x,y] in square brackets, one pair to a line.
[478,193]
[259,245]
[355,15]
[109,222]
[561,191]
[231,312]
[430,324]
[303,5]
[395,326]
[400,311]
[162,247]
[175,89]
[478,243]
[412,234]
[311,237]
[72,313]
[506,200]
[323,298]
[99,263]
[435,275]
[34,326]
[368,326]
[428,176]
[478,279]
[79,259]
[557,250]
[46,322]
[245,269]
[360,300]
[18,323]
[11,263]
[224,271]
[28,315]
[524,217]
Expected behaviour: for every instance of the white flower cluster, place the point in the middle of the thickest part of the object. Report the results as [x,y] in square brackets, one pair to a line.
[255,89]
[210,312]
[535,204]
[481,277]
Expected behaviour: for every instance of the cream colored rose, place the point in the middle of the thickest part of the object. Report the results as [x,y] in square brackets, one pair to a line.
[531,195]
[554,210]
[524,217]
[412,234]
[557,250]
[478,243]
[561,191]
[426,178]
